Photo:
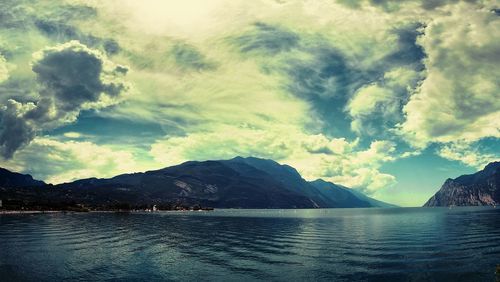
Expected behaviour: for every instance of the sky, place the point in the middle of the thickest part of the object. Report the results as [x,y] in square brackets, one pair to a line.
[387,97]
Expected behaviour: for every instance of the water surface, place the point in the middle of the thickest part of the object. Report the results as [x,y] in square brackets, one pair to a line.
[401,244]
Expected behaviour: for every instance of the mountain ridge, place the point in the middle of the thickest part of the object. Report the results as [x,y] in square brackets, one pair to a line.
[478,189]
[17,180]
[234,183]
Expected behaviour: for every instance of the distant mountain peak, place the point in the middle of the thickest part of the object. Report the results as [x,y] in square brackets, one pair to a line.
[348,195]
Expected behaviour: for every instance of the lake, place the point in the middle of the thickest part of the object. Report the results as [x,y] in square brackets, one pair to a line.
[399,244]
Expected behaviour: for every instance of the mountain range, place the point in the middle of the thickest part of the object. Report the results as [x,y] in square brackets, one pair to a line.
[479,189]
[235,183]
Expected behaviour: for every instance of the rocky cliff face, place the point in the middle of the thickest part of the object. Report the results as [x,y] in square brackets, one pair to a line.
[478,189]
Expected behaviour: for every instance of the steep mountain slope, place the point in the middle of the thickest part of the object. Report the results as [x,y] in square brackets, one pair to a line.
[210,183]
[320,191]
[235,183]
[16,180]
[479,189]
[343,197]
[287,176]
[371,201]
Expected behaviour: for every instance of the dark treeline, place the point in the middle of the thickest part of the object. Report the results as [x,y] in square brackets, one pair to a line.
[46,199]
[23,205]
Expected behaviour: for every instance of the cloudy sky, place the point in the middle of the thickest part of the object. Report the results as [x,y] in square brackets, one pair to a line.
[388,97]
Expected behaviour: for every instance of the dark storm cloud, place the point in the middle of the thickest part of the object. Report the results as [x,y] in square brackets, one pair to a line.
[15,131]
[188,57]
[17,88]
[267,39]
[70,77]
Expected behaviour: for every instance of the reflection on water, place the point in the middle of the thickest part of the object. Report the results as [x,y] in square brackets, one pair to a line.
[406,244]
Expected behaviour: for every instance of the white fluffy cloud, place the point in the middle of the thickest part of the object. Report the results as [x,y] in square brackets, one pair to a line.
[71,160]
[459,98]
[4,72]
[361,168]
[367,101]
[467,153]
[380,103]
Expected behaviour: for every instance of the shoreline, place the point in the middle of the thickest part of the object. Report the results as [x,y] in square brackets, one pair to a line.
[14,212]
[27,212]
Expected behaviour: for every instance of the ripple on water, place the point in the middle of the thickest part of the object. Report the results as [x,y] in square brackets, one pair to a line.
[295,245]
